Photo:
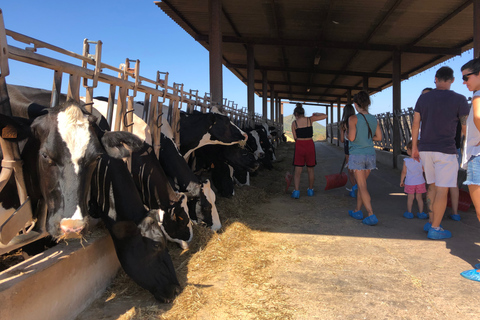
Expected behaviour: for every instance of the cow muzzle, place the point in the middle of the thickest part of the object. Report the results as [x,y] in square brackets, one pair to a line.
[72,228]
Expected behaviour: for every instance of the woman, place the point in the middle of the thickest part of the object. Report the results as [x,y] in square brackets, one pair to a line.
[362,131]
[471,151]
[302,132]
[348,111]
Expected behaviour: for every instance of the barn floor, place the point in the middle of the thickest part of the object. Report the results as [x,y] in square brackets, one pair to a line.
[279,258]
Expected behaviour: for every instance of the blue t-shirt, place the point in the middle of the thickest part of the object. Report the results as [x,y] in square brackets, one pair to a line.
[363,144]
[440,111]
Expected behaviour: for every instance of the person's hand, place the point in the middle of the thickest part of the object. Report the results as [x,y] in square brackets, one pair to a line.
[415,154]
[402,184]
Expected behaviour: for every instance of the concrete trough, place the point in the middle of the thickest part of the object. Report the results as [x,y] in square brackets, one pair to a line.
[60,282]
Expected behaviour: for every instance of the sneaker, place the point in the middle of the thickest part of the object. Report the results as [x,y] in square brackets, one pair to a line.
[296,194]
[408,215]
[370,220]
[438,234]
[455,217]
[356,214]
[427,226]
[422,215]
[471,274]
[310,192]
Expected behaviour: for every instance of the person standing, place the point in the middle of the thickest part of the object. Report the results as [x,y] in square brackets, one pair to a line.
[471,151]
[438,112]
[348,111]
[362,131]
[414,183]
[302,132]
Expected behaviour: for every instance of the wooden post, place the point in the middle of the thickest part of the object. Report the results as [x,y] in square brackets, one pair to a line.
[476,28]
[338,122]
[215,53]
[272,103]
[57,87]
[396,105]
[264,95]
[331,121]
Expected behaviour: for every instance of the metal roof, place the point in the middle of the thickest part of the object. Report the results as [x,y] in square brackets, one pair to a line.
[317,50]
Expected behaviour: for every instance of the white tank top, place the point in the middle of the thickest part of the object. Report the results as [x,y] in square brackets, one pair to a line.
[414,172]
[472,138]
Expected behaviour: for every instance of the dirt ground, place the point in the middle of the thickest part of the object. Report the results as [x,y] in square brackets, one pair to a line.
[279,258]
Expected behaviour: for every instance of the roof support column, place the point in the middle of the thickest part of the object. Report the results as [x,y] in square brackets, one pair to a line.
[277,109]
[365,84]
[264,96]
[326,131]
[331,121]
[338,121]
[396,86]
[272,103]
[476,28]
[215,53]
[251,84]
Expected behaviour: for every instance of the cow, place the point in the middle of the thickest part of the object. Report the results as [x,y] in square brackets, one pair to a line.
[201,198]
[62,148]
[157,193]
[198,129]
[137,233]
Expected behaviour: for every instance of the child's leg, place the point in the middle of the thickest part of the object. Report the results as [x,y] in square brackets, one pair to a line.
[410,197]
[419,197]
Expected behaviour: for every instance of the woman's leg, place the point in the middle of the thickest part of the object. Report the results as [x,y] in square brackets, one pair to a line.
[475,195]
[296,177]
[410,198]
[311,177]
[363,196]
[419,198]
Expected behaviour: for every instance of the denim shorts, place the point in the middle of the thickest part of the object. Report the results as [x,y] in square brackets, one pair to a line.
[473,171]
[362,162]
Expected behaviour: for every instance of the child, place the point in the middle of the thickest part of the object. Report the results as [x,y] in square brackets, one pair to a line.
[414,182]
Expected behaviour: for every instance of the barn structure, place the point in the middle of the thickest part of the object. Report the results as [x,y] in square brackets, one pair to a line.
[323,52]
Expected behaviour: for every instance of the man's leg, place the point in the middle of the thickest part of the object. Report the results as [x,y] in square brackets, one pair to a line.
[439,205]
[430,200]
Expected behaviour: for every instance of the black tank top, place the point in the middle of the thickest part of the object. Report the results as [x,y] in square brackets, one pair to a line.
[304,133]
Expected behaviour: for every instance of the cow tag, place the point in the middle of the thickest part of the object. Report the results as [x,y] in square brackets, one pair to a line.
[9,132]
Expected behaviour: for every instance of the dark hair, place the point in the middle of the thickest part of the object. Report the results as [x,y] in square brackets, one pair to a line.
[473,65]
[298,110]
[348,111]
[428,89]
[362,99]
[444,74]
[409,145]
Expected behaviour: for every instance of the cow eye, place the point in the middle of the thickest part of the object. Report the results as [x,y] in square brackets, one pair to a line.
[47,159]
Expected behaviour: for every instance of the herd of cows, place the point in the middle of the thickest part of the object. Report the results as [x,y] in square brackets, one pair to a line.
[75,166]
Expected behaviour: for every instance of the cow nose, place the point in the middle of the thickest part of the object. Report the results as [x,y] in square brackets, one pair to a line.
[69,226]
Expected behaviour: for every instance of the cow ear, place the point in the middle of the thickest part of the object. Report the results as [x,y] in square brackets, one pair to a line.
[14,128]
[120,144]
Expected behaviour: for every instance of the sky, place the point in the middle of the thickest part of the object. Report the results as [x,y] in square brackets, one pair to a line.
[138,29]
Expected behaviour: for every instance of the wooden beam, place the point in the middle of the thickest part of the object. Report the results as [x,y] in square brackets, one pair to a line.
[317,85]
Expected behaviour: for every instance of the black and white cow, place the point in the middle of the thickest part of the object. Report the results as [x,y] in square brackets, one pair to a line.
[63,146]
[137,233]
[198,129]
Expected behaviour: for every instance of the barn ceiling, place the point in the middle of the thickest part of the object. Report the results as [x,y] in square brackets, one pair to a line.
[318,50]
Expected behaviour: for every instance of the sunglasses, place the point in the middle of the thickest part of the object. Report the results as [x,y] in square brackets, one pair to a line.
[465,76]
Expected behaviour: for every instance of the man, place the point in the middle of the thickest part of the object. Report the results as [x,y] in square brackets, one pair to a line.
[438,111]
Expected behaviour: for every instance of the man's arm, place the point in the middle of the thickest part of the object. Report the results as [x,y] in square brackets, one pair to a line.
[415,129]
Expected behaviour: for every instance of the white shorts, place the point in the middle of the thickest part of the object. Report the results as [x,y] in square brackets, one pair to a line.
[440,168]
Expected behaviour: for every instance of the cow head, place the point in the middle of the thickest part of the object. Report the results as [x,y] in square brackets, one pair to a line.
[59,158]
[240,158]
[205,208]
[176,223]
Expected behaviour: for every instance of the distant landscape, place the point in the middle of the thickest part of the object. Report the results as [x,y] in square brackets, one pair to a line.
[319,131]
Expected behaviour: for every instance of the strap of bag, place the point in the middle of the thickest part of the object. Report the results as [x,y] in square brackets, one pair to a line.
[370,135]
[343,164]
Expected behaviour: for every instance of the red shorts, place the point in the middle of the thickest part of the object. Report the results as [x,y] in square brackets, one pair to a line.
[304,153]
[418,188]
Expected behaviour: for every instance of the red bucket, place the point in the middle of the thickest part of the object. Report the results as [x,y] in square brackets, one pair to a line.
[336,180]
[464,200]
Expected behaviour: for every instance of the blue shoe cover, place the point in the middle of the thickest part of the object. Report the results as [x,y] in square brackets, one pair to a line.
[477,266]
[427,226]
[310,192]
[455,217]
[422,215]
[355,188]
[356,214]
[471,274]
[370,220]
[353,194]
[438,234]
[296,194]
[408,215]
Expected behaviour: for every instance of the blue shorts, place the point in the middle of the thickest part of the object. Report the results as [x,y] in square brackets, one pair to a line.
[362,162]
[473,171]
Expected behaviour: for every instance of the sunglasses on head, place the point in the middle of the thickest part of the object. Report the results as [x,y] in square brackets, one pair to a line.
[465,76]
